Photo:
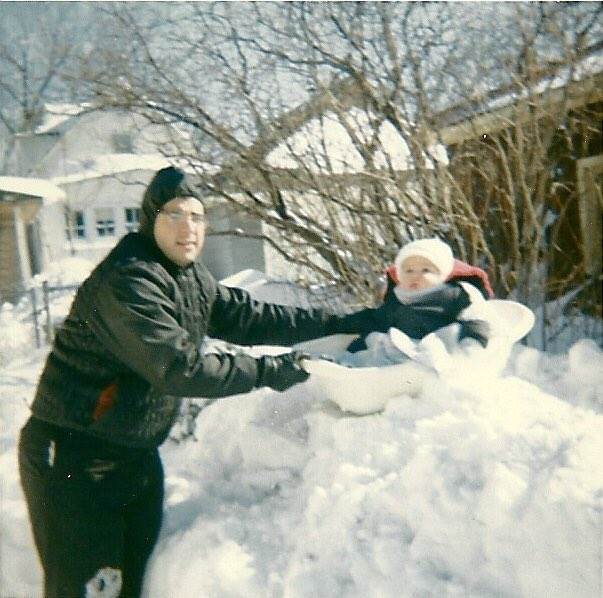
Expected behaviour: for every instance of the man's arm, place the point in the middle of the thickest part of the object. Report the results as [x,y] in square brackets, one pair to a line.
[418,314]
[135,320]
[238,318]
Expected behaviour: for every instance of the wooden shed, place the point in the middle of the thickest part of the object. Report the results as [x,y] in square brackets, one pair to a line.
[21,252]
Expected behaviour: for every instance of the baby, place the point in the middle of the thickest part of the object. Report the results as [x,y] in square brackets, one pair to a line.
[431,290]
[440,265]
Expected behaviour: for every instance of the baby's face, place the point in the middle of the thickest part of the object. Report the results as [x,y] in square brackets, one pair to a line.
[418,273]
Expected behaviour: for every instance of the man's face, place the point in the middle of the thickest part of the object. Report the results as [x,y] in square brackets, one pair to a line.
[418,273]
[180,230]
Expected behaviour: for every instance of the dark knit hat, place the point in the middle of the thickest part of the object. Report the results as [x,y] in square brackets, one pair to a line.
[167,184]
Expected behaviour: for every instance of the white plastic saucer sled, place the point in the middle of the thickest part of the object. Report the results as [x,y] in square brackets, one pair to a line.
[509,318]
[368,389]
[365,390]
[359,390]
[331,345]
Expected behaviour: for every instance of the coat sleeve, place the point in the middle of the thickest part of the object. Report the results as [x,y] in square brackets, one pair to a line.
[134,318]
[237,318]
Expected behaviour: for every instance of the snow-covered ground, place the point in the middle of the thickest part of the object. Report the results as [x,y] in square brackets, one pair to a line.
[478,485]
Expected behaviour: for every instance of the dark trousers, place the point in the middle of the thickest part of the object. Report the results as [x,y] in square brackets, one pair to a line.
[95,513]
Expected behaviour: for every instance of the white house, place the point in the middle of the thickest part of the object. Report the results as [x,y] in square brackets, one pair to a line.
[100,163]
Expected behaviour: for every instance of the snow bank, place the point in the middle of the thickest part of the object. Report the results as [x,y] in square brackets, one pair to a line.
[481,485]
[16,321]
[68,271]
[20,573]
[17,335]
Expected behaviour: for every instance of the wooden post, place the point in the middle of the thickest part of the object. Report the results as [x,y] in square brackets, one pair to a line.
[47,309]
[34,307]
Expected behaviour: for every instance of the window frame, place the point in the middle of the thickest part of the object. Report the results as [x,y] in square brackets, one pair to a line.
[75,229]
[131,219]
[104,227]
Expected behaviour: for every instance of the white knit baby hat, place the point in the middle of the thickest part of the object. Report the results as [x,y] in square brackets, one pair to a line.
[436,251]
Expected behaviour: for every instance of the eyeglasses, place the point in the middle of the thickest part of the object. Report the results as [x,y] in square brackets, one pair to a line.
[176,216]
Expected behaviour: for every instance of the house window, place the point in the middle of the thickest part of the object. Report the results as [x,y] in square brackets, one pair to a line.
[132,219]
[75,224]
[105,222]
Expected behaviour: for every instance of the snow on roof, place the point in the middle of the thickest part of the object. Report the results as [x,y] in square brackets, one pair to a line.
[588,66]
[284,292]
[32,187]
[324,145]
[263,288]
[56,114]
[110,164]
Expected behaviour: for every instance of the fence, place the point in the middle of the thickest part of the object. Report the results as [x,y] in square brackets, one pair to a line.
[44,310]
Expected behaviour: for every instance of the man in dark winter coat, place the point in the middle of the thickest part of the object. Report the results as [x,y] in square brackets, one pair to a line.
[110,389]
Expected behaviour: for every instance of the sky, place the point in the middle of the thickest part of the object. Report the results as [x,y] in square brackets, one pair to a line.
[481,479]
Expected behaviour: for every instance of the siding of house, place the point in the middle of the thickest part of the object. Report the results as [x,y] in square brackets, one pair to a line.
[97,134]
[29,150]
[14,262]
[69,155]
[113,193]
[227,255]
[575,237]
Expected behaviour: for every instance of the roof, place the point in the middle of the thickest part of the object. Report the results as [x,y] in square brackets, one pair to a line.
[589,65]
[323,143]
[31,187]
[56,114]
[111,164]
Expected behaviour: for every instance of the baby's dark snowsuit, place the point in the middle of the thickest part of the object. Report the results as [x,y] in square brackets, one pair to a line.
[431,309]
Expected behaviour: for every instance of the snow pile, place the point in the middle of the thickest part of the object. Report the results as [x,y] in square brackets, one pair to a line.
[20,573]
[16,321]
[576,376]
[17,336]
[479,485]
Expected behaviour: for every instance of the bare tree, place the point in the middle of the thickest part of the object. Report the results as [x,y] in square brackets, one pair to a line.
[38,44]
[270,93]
[518,166]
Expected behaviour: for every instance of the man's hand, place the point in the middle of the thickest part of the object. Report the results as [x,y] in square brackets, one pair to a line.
[281,372]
